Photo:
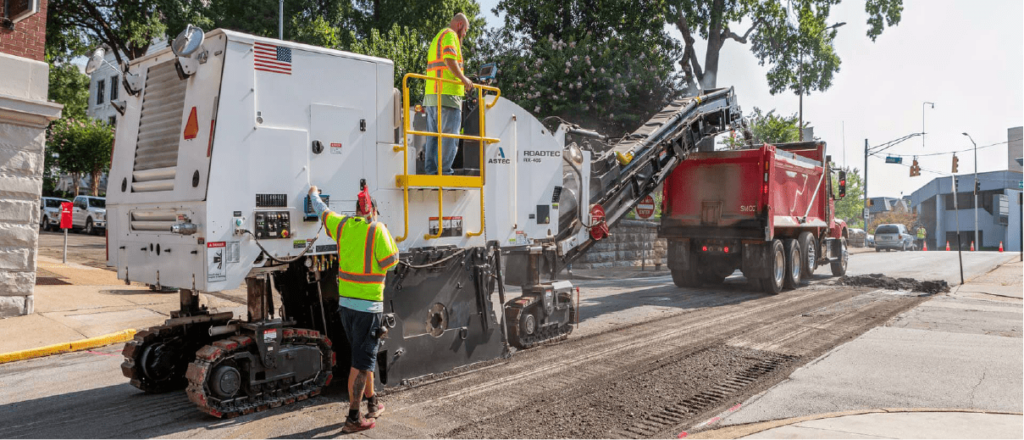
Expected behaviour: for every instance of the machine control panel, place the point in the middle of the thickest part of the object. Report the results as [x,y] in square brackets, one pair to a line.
[272,224]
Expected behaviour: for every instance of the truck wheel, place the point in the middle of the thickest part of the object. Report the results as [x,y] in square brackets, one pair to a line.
[839,265]
[89,230]
[794,264]
[685,278]
[809,247]
[776,268]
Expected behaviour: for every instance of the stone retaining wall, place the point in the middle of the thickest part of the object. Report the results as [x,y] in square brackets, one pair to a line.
[625,246]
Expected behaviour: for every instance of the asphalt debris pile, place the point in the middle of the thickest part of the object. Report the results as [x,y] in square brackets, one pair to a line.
[885,282]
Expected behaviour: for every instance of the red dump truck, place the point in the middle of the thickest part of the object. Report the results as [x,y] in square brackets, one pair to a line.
[768,211]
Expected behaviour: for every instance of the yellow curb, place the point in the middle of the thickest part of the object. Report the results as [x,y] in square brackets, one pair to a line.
[65,347]
[739,431]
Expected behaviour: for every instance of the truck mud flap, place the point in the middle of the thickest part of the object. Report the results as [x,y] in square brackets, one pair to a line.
[755,260]
[679,254]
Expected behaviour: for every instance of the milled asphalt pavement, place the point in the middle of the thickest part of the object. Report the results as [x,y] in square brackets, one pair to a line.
[957,351]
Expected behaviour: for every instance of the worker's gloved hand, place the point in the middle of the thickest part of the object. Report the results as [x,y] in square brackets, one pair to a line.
[469,84]
[313,190]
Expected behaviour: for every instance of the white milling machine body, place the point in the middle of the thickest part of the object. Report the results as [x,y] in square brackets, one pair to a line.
[217,147]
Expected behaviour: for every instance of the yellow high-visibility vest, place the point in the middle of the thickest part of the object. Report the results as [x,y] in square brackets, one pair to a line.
[365,253]
[445,46]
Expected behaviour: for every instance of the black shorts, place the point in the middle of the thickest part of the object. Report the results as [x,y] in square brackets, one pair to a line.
[360,328]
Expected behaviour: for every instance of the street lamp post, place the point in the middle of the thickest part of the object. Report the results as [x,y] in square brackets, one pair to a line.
[975,190]
[801,80]
[922,120]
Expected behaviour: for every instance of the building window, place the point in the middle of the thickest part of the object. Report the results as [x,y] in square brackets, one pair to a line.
[113,121]
[101,86]
[113,87]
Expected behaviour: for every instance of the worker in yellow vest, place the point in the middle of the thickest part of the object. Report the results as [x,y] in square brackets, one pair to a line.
[366,251]
[445,62]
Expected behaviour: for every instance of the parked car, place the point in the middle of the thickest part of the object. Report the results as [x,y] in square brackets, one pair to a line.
[893,237]
[49,215]
[89,214]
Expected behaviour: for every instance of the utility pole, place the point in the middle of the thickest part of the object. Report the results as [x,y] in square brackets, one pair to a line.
[864,213]
[922,120]
[280,20]
[975,191]
[956,209]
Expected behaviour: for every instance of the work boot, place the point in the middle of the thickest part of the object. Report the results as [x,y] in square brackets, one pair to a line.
[374,408]
[357,423]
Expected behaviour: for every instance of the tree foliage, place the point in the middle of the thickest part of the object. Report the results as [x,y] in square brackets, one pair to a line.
[605,65]
[69,87]
[792,37]
[766,128]
[899,217]
[82,146]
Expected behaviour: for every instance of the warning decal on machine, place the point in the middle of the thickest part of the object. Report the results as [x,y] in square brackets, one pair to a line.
[452,226]
[269,335]
[215,261]
[335,147]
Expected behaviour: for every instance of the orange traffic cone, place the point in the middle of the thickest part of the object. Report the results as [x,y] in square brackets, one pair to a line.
[1000,246]
[925,248]
[947,245]
[972,245]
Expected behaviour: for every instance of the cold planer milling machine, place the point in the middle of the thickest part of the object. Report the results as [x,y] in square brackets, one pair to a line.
[221,136]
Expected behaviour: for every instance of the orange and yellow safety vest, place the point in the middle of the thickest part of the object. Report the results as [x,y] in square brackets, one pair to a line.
[445,46]
[365,253]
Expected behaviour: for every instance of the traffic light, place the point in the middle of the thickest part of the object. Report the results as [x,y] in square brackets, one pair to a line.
[977,186]
[842,184]
[956,164]
[915,169]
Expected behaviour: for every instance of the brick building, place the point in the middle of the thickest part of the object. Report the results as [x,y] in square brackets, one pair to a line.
[24,115]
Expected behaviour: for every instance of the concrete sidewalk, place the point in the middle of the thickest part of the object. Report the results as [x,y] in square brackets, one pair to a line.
[949,368]
[75,302]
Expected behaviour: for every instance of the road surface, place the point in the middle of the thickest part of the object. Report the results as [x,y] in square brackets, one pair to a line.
[648,359]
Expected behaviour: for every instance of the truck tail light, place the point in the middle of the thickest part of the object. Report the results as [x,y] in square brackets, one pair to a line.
[726,249]
[705,248]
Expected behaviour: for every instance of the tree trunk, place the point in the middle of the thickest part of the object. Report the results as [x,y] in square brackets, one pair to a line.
[76,182]
[96,174]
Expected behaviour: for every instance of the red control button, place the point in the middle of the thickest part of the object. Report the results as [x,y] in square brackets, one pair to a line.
[284,233]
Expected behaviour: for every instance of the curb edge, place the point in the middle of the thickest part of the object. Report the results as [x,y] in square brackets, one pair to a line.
[66,347]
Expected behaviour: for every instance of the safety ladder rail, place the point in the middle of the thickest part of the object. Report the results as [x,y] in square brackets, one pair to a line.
[440,181]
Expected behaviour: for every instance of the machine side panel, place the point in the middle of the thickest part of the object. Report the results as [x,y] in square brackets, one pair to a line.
[523,170]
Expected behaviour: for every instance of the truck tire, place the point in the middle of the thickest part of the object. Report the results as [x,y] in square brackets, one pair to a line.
[839,265]
[685,278]
[776,268]
[794,264]
[809,248]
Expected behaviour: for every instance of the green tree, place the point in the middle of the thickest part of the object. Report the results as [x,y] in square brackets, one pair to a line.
[406,47]
[129,27]
[851,207]
[767,128]
[792,37]
[83,146]
[606,65]
[69,87]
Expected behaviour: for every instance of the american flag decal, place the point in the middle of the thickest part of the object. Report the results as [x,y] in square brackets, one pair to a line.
[271,58]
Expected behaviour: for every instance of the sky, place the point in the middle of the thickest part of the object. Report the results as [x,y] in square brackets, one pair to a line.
[967,57]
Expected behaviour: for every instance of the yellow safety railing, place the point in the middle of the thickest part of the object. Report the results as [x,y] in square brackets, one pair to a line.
[440,181]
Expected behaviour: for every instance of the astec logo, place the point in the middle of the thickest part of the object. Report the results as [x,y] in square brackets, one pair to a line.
[501,160]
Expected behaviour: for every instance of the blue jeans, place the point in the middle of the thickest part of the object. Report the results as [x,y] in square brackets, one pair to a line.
[451,119]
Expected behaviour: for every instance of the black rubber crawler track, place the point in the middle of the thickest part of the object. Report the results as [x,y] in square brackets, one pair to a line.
[271,395]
